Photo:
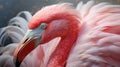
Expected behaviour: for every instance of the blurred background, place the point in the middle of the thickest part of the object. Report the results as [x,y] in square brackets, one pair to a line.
[9,8]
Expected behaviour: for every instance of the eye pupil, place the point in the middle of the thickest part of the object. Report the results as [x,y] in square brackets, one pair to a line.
[43,26]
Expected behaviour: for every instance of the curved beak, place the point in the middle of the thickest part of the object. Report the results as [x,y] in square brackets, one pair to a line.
[31,40]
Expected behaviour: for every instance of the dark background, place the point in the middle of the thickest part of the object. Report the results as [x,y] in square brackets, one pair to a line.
[9,8]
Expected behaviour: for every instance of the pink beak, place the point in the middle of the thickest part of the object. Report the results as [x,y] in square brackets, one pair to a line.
[31,40]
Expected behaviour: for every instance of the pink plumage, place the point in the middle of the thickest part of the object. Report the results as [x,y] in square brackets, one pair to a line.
[98,42]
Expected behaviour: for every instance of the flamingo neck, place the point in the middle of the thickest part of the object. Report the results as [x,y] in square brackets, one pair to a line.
[59,56]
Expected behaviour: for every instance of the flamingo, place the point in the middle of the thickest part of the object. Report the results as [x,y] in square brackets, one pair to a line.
[62,36]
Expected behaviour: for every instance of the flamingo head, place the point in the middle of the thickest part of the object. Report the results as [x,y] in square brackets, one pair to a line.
[48,23]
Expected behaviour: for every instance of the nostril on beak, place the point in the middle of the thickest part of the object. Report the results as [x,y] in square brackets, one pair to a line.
[26,40]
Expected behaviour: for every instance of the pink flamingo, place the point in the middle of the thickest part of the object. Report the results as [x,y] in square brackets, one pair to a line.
[88,36]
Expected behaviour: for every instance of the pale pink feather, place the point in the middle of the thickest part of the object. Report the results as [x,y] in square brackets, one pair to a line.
[98,44]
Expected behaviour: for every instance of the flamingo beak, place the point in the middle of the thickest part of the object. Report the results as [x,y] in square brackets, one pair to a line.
[31,40]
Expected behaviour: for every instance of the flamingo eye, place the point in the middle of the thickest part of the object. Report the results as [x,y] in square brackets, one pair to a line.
[43,26]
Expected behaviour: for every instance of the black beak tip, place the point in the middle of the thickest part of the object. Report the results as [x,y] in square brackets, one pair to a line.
[17,63]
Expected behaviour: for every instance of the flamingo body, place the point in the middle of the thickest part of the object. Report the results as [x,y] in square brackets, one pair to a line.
[87,36]
[98,37]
